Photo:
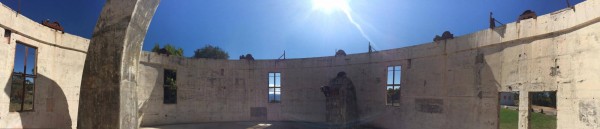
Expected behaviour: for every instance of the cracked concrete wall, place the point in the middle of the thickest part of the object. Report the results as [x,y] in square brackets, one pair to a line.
[59,68]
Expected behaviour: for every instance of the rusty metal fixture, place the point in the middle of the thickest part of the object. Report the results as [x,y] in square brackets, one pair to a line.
[446,35]
[527,15]
[493,21]
[54,25]
[371,48]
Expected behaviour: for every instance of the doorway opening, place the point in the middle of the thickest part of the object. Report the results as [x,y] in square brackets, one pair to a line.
[508,115]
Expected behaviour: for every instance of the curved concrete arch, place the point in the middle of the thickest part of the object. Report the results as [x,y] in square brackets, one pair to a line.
[108,95]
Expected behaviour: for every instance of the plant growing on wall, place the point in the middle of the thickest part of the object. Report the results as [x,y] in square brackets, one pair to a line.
[168,49]
[170,86]
[171,83]
[211,52]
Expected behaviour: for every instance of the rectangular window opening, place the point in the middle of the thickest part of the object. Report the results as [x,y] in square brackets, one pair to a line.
[542,110]
[22,93]
[508,116]
[170,87]
[394,74]
[274,87]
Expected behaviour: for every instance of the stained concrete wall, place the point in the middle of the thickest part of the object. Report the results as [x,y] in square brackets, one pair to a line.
[447,84]
[60,59]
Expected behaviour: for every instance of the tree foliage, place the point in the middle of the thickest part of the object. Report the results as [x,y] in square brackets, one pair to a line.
[156,48]
[211,52]
[168,49]
[170,78]
[547,99]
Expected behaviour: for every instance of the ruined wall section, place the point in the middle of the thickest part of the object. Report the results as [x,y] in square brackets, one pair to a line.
[60,60]
[207,90]
[446,84]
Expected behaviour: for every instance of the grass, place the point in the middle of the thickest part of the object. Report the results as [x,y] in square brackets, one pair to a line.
[541,121]
[509,119]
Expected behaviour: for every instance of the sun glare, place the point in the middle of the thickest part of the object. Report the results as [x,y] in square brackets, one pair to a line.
[329,6]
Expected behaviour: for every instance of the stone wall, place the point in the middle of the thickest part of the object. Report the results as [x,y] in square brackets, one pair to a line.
[60,60]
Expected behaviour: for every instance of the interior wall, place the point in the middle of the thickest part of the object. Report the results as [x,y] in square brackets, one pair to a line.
[60,60]
[447,84]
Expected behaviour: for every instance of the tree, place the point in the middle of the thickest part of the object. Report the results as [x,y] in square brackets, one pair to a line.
[156,48]
[211,52]
[168,49]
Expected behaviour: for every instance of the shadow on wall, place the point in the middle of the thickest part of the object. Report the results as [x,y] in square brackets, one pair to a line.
[146,95]
[50,109]
[501,30]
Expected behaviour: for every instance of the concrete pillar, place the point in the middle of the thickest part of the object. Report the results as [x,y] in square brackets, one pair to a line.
[108,95]
[524,107]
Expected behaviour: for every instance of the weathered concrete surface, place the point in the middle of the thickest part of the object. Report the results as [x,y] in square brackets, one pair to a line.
[341,108]
[60,59]
[108,94]
[452,84]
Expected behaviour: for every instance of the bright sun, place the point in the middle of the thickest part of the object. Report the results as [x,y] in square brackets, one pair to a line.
[328,6]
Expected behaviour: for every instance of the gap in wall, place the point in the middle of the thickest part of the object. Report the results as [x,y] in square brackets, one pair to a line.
[508,117]
[542,110]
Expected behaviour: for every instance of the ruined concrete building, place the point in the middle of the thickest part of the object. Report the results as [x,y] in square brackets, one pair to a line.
[455,84]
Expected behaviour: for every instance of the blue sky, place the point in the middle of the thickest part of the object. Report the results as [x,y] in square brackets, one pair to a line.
[266,28]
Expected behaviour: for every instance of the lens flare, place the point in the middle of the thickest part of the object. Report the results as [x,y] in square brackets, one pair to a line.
[329,6]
